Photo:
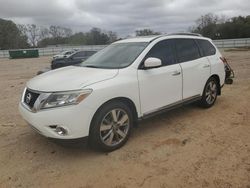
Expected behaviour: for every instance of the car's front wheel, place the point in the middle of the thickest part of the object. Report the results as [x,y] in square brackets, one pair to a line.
[210,93]
[111,126]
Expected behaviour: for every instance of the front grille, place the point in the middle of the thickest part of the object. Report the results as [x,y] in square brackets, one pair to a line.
[30,98]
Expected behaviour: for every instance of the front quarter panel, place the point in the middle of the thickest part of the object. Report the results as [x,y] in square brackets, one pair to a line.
[125,85]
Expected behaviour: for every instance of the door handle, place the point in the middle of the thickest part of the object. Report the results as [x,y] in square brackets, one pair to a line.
[176,73]
[206,66]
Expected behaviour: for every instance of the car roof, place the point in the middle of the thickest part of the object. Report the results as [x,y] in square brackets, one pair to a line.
[167,36]
[79,51]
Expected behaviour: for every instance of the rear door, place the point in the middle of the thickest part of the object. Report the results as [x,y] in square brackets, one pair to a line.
[209,51]
[195,68]
[162,86]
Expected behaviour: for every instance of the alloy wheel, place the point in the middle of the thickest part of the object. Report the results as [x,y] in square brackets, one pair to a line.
[211,92]
[114,127]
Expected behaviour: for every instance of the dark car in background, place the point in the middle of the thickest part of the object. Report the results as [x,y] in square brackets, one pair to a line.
[64,54]
[73,59]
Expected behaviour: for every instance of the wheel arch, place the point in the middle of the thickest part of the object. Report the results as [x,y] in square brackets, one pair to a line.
[217,78]
[124,100]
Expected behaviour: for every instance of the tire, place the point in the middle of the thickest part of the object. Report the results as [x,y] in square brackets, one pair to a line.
[111,126]
[210,93]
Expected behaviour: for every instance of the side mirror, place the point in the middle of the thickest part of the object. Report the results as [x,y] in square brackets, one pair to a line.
[152,62]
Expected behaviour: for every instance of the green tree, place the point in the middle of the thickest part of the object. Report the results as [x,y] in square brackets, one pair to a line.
[10,36]
[96,37]
[237,27]
[52,41]
[112,36]
[146,32]
[206,25]
[212,26]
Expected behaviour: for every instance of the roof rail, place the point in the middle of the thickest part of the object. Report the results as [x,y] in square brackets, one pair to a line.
[190,34]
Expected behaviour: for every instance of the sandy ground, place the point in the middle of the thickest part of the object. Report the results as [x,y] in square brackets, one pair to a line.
[187,147]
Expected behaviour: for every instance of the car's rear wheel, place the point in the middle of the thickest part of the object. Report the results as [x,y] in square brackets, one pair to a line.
[210,93]
[111,126]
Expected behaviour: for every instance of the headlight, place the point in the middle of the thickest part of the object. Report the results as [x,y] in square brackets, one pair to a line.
[65,98]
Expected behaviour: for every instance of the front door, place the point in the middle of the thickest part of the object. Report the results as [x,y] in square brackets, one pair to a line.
[161,86]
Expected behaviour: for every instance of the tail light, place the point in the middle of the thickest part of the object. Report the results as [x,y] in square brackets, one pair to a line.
[229,71]
[223,59]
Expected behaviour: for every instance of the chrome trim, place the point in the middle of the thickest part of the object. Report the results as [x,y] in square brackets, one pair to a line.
[27,107]
[65,91]
[24,91]
[206,66]
[44,95]
[35,91]
[191,98]
[41,98]
[176,73]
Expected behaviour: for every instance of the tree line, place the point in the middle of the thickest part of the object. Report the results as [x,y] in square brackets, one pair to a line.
[14,36]
[217,27]
[55,35]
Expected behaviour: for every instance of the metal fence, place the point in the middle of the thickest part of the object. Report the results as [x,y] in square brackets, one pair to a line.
[232,43]
[225,43]
[56,50]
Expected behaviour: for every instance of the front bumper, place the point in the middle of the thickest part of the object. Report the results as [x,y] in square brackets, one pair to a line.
[75,119]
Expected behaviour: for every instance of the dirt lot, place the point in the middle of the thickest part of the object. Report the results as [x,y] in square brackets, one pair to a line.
[187,147]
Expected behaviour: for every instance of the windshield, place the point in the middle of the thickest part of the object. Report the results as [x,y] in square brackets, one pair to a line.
[68,53]
[116,55]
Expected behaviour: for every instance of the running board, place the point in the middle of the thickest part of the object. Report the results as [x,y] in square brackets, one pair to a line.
[171,107]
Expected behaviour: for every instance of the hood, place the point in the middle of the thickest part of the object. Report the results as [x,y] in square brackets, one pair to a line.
[70,78]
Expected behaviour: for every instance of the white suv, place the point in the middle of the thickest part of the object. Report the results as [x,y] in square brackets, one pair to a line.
[131,79]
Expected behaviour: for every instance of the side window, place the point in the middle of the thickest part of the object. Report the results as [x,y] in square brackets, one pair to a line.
[187,50]
[79,54]
[164,51]
[207,48]
[90,53]
[67,53]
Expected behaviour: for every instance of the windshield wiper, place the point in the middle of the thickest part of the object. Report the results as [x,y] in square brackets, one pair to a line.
[91,66]
[99,67]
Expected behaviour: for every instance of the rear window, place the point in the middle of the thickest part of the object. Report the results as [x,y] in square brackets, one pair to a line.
[206,47]
[187,50]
